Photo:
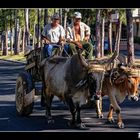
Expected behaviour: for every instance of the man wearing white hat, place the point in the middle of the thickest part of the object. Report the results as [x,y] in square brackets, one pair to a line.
[78,34]
[53,35]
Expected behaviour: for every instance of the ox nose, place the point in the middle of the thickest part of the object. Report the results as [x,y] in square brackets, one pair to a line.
[134,98]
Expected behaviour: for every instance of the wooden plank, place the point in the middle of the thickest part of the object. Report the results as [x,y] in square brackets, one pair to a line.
[30,66]
[30,56]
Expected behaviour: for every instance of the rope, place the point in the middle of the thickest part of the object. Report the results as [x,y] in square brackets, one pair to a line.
[96,68]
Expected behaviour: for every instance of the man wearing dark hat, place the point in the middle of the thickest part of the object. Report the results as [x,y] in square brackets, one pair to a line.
[53,35]
[78,34]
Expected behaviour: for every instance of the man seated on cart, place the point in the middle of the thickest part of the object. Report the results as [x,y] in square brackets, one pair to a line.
[53,35]
[78,35]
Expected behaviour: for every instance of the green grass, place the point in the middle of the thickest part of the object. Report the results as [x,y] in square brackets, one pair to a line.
[19,57]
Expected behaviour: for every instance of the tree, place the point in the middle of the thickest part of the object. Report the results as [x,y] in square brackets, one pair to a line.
[5,46]
[66,10]
[98,39]
[60,13]
[27,34]
[11,31]
[118,37]
[16,47]
[38,27]
[110,32]
[46,17]
[130,42]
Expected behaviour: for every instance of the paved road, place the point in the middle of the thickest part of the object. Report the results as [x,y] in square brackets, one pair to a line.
[10,121]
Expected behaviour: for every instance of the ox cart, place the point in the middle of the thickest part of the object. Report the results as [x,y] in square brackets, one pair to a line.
[25,84]
[25,90]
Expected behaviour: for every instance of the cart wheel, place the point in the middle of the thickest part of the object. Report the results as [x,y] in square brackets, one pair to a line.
[24,94]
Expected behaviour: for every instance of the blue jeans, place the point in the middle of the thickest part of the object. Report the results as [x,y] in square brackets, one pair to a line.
[66,50]
[48,48]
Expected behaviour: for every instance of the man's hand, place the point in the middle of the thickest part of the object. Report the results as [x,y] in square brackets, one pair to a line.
[46,41]
[79,45]
[86,38]
[61,43]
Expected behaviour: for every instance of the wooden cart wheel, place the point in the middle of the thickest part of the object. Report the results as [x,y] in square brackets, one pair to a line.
[24,94]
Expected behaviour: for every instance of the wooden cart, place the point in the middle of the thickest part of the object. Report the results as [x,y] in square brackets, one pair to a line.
[25,83]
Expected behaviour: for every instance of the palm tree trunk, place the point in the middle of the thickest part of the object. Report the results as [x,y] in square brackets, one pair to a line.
[11,33]
[2,43]
[5,49]
[110,33]
[46,17]
[18,39]
[60,13]
[65,20]
[6,40]
[98,44]
[27,37]
[23,41]
[130,38]
[16,49]
[39,31]
[103,34]
[34,38]
[118,37]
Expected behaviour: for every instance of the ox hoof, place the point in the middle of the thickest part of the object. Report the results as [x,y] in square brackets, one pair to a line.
[100,116]
[111,120]
[120,125]
[81,126]
[71,124]
[50,121]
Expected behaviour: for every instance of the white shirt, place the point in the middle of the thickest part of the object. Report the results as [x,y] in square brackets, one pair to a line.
[53,34]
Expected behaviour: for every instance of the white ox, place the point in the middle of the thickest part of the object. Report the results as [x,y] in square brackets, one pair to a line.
[68,79]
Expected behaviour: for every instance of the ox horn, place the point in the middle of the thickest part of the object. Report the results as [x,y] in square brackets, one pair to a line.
[123,67]
[83,61]
[114,56]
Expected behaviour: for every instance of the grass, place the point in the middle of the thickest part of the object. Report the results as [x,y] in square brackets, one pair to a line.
[19,57]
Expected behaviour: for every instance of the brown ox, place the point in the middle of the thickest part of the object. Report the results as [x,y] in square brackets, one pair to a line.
[123,85]
[67,78]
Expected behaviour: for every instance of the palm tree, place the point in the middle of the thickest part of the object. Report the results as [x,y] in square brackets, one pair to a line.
[46,16]
[110,32]
[16,47]
[38,27]
[130,41]
[98,44]
[11,31]
[66,10]
[5,33]
[27,36]
[103,33]
[118,36]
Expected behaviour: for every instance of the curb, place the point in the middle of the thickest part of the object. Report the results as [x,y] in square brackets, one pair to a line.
[13,61]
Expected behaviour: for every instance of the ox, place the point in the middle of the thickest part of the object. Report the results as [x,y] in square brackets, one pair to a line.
[68,79]
[122,84]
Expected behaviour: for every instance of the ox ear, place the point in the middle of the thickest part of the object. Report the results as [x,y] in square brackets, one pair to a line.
[121,79]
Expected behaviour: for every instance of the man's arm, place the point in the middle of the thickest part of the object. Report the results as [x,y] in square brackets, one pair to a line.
[44,37]
[62,36]
[87,33]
